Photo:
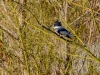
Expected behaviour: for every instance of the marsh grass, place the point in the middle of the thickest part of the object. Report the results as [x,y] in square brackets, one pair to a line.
[29,46]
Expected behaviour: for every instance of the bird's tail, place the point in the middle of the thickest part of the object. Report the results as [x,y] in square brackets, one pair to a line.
[69,36]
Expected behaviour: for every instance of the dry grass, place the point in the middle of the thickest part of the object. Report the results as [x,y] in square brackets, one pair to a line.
[29,46]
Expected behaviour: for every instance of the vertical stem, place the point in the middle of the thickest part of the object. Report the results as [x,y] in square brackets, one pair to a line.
[0,37]
[22,34]
[68,62]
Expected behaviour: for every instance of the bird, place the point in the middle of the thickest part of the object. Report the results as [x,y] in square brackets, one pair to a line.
[60,30]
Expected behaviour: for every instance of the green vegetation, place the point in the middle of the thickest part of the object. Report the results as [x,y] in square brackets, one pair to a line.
[29,45]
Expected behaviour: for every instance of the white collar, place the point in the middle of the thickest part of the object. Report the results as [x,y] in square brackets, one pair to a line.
[56,27]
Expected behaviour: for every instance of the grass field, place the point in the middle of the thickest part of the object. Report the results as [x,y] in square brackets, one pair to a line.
[29,45]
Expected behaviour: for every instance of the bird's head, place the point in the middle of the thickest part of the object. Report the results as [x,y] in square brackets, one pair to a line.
[57,25]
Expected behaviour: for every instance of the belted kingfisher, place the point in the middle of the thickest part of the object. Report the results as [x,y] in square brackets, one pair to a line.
[60,30]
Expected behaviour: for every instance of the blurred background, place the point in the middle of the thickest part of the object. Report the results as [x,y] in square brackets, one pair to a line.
[29,46]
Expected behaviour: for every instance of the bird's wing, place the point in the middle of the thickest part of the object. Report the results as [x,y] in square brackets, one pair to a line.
[64,32]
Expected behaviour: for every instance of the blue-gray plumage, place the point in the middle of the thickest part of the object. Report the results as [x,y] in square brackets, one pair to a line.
[60,30]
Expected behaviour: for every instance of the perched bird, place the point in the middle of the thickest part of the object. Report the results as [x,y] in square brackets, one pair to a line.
[60,30]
